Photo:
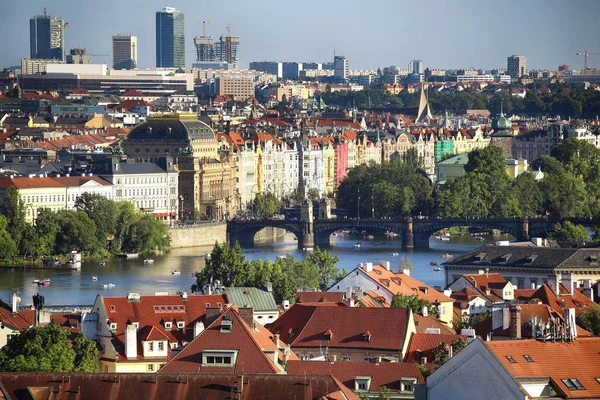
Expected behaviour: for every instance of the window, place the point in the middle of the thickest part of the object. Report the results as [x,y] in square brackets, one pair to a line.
[573,384]
[512,360]
[180,324]
[598,379]
[113,326]
[529,359]
[218,358]
[168,325]
[161,346]
[150,346]
[150,367]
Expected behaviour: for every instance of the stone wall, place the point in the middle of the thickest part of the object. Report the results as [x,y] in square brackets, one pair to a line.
[269,234]
[198,235]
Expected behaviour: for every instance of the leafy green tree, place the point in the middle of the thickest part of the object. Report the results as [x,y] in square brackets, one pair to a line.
[100,210]
[325,265]
[14,210]
[47,349]
[469,321]
[570,232]
[590,320]
[8,247]
[548,165]
[145,234]
[41,239]
[77,232]
[565,196]
[226,264]
[265,205]
[528,195]
[442,352]
[414,303]
[488,160]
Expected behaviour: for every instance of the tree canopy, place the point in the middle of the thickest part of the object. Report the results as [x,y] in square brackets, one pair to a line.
[48,349]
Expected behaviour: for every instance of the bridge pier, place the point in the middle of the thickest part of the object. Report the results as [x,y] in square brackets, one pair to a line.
[408,239]
[524,230]
[308,236]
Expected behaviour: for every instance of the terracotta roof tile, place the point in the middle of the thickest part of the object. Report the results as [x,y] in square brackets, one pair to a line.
[424,345]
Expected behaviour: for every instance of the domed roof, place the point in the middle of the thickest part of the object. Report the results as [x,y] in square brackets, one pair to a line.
[503,122]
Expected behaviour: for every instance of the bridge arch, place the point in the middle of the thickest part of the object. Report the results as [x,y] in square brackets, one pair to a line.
[245,231]
[429,227]
[325,228]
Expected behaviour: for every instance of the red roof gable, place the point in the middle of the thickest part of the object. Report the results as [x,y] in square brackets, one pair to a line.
[424,345]
[16,321]
[305,326]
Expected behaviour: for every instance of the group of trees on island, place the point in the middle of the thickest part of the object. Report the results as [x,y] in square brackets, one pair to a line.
[567,100]
[227,266]
[98,227]
[570,188]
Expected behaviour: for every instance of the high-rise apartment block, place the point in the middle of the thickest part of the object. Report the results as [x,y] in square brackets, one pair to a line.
[209,52]
[270,67]
[416,67]
[516,66]
[46,37]
[340,69]
[170,38]
[124,51]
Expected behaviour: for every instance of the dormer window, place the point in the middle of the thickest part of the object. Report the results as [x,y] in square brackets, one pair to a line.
[168,325]
[113,326]
[226,324]
[506,257]
[180,324]
[219,358]
[367,336]
[136,324]
[328,335]
[362,383]
[479,257]
[408,384]
[530,259]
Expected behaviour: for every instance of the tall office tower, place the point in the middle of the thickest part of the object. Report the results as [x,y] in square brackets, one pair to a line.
[516,66]
[170,38]
[124,51]
[205,49]
[340,69]
[227,50]
[47,37]
[416,67]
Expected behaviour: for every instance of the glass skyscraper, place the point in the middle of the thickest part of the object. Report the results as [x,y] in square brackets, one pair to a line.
[46,37]
[170,38]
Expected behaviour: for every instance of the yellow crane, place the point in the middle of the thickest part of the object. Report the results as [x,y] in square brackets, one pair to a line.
[585,55]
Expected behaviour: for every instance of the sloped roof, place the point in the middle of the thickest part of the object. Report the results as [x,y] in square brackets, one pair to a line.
[183,129]
[29,183]
[241,337]
[319,297]
[259,300]
[574,360]
[158,386]
[422,323]
[151,311]
[306,325]
[18,321]
[382,374]
[424,345]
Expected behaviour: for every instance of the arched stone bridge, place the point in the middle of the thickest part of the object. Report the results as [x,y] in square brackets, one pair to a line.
[414,233]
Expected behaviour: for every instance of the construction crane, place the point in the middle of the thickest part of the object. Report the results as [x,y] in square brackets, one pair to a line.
[585,55]
[229,28]
[204,26]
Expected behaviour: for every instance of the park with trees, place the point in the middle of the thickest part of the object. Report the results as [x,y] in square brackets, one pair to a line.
[98,227]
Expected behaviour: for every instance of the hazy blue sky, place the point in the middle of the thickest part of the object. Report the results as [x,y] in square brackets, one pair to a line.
[370,33]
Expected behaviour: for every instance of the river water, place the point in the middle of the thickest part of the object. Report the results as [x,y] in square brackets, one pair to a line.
[76,287]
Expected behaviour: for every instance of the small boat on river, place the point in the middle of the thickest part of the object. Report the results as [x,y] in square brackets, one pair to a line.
[447,255]
[108,285]
[176,272]
[395,254]
[94,278]
[437,269]
[434,263]
[102,263]
[148,261]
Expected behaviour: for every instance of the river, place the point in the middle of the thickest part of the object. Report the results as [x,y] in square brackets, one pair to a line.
[76,287]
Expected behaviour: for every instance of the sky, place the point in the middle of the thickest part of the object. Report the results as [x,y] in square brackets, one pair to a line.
[371,34]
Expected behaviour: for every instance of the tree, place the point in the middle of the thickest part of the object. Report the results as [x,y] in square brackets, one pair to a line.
[565,196]
[414,303]
[528,194]
[325,265]
[548,165]
[488,160]
[145,234]
[8,247]
[100,210]
[41,239]
[590,320]
[226,264]
[265,205]
[47,349]
[14,210]
[442,352]
[77,232]
[570,232]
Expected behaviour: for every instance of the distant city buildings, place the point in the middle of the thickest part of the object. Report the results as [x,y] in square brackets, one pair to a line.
[124,51]
[516,66]
[416,67]
[170,38]
[224,52]
[78,56]
[340,65]
[46,37]
[30,66]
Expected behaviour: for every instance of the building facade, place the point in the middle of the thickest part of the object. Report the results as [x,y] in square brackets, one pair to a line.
[46,37]
[124,52]
[516,66]
[170,38]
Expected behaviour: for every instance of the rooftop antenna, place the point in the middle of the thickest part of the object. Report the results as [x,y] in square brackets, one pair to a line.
[45,9]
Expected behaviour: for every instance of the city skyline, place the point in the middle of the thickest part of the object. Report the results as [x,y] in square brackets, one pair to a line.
[447,36]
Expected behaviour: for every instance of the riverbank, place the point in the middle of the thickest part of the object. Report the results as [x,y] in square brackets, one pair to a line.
[199,235]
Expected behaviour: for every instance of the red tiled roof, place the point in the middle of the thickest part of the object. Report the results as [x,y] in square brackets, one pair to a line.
[574,360]
[424,345]
[122,311]
[132,93]
[128,104]
[422,323]
[16,321]
[305,326]
[248,341]
[28,183]
[319,297]
[382,374]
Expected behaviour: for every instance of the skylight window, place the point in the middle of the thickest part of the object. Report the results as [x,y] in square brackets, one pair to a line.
[512,360]
[573,384]
[598,379]
[528,358]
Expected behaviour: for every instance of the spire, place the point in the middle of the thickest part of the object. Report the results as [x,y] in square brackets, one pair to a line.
[501,106]
[45,9]
[424,111]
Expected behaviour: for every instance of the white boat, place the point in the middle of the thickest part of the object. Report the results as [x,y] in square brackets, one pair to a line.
[445,239]
[148,261]
[394,254]
[357,244]
[307,249]
[94,278]
[108,285]
[176,272]
[479,238]
[437,269]
[102,263]
[282,256]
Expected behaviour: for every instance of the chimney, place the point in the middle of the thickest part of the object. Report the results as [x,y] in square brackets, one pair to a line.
[198,328]
[567,282]
[515,322]
[348,292]
[587,289]
[424,311]
[487,272]
[15,303]
[247,315]
[333,358]
[131,342]
[368,267]
[352,303]
[505,318]
[212,313]
[571,324]
[276,339]
[423,360]
[386,265]
[406,271]
[286,354]
[480,272]
[269,286]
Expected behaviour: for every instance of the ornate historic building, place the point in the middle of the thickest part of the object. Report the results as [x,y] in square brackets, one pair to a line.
[206,180]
